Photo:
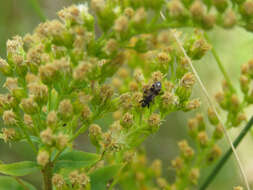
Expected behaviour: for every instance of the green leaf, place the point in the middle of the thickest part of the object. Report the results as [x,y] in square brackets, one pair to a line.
[7,182]
[75,159]
[19,168]
[100,177]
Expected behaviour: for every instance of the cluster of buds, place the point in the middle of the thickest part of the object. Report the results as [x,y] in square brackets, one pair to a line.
[199,13]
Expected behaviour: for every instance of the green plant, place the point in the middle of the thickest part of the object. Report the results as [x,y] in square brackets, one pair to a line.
[90,64]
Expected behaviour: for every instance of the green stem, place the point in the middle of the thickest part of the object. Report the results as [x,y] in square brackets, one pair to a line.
[226,156]
[47,172]
[28,138]
[220,65]
[80,131]
[35,5]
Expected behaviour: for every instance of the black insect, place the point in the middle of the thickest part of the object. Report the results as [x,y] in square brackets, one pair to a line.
[150,94]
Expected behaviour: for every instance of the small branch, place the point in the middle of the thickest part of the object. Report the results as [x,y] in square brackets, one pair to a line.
[226,156]
[220,65]
[35,5]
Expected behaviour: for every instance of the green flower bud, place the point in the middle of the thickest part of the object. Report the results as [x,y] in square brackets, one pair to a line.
[229,19]
[39,93]
[65,109]
[197,10]
[48,73]
[213,119]
[5,67]
[29,106]
[202,139]
[186,150]
[214,154]
[127,120]
[95,134]
[220,5]
[218,133]
[177,10]
[194,175]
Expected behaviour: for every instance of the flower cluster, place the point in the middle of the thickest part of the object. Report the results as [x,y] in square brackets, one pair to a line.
[66,76]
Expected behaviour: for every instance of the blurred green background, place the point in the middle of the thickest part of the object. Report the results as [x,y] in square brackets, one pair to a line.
[235,47]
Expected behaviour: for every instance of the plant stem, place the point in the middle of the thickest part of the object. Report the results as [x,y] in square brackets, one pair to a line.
[47,176]
[226,156]
[220,65]
[35,5]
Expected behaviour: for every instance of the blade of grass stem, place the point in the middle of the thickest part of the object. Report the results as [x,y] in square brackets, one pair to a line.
[226,156]
[35,5]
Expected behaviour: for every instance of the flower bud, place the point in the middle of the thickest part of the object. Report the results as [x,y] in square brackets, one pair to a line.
[48,73]
[127,120]
[185,149]
[157,76]
[218,133]
[193,104]
[5,67]
[156,166]
[129,12]
[229,19]
[9,118]
[43,158]
[209,21]
[213,119]
[193,126]
[220,98]
[83,180]
[194,175]
[47,136]
[139,17]
[29,106]
[220,5]
[202,138]
[177,10]
[11,84]
[197,10]
[162,183]
[28,121]
[8,134]
[214,153]
[121,24]
[52,119]
[61,141]
[154,121]
[111,47]
[247,9]
[138,75]
[125,101]
[86,113]
[65,109]
[198,49]
[58,181]
[39,93]
[188,80]
[73,177]
[178,164]
[80,72]
[95,134]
